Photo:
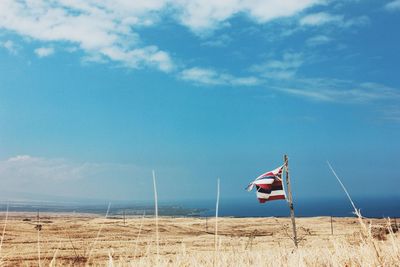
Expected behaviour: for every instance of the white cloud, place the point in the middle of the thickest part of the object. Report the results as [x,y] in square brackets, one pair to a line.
[10,46]
[357,21]
[320,19]
[25,168]
[393,5]
[283,68]
[49,176]
[203,15]
[318,40]
[101,28]
[212,77]
[280,74]
[341,91]
[107,30]
[44,51]
[218,41]
[325,96]
[392,113]
[323,18]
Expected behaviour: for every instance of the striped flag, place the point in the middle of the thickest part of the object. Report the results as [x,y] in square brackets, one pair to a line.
[269,185]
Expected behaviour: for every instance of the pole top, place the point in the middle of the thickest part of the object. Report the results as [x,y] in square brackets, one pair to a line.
[285,158]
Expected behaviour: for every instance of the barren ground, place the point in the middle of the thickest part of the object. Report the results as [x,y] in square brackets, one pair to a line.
[71,238]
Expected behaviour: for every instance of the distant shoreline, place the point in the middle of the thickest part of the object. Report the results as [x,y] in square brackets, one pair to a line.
[47,214]
[239,208]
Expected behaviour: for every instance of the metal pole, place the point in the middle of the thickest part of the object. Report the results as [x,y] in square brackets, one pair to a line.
[290,200]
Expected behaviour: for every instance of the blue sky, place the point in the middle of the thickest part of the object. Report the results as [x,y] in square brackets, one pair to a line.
[95,95]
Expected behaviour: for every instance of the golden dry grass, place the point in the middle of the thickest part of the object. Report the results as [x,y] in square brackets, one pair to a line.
[68,240]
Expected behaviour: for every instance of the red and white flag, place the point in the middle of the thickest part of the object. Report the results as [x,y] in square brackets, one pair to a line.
[269,185]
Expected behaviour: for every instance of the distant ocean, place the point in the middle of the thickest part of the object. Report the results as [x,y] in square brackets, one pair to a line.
[376,208]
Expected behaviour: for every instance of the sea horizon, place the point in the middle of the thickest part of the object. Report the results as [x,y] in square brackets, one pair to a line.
[312,207]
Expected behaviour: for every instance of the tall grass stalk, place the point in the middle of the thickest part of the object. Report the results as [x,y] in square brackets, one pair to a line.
[110,259]
[138,235]
[366,236]
[38,240]
[216,225]
[344,188]
[156,214]
[97,236]
[53,260]
[392,240]
[4,229]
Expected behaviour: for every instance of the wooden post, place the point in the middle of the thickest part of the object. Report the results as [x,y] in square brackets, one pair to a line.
[290,200]
[206,224]
[124,217]
[38,225]
[331,225]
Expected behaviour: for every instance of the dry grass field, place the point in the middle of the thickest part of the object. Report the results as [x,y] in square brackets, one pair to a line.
[89,240]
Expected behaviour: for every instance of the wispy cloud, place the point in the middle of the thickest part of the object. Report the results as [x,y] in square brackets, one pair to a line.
[392,113]
[340,91]
[282,68]
[281,74]
[25,168]
[323,18]
[54,176]
[10,47]
[44,51]
[318,40]
[218,41]
[356,21]
[393,5]
[208,76]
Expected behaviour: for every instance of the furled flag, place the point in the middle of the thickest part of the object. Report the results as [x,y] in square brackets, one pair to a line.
[269,185]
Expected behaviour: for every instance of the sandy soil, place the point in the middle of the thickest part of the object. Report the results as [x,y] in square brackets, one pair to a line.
[75,239]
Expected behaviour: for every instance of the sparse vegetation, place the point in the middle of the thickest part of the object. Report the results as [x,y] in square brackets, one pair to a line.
[70,240]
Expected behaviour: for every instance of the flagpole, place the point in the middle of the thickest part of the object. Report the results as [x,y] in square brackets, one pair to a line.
[290,200]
